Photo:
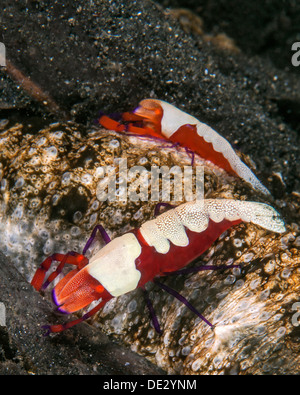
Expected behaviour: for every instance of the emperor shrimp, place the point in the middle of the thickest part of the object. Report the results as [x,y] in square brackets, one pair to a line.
[159,119]
[165,244]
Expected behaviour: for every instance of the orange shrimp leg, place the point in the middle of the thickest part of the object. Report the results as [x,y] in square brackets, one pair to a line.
[72,258]
[130,125]
[111,124]
[61,327]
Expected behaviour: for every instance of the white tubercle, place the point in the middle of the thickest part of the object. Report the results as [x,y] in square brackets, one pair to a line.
[114,265]
[171,225]
[173,119]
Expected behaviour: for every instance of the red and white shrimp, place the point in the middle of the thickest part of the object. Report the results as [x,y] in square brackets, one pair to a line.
[160,246]
[159,119]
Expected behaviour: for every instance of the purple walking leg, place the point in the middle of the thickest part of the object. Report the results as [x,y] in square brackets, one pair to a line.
[103,233]
[152,312]
[182,299]
[160,205]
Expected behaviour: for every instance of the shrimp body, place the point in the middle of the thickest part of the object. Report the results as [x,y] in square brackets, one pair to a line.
[160,119]
[160,246]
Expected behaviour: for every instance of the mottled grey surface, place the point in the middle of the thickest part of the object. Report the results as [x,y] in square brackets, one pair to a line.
[50,191]
[52,184]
